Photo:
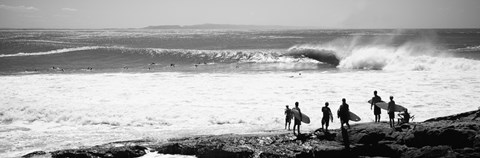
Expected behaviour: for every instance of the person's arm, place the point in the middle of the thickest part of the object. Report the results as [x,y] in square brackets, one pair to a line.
[331,116]
[371,103]
[300,112]
[338,113]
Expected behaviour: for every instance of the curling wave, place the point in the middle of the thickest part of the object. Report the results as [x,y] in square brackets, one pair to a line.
[408,56]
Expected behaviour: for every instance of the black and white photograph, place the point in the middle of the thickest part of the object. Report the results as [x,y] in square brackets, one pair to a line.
[239,78]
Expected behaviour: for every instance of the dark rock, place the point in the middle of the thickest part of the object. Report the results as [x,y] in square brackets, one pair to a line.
[431,152]
[371,138]
[35,154]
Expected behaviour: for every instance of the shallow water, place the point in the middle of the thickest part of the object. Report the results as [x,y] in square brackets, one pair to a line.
[54,111]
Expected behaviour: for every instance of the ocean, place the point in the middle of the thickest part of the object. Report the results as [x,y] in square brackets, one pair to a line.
[63,89]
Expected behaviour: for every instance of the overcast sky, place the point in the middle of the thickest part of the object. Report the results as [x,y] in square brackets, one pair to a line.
[321,13]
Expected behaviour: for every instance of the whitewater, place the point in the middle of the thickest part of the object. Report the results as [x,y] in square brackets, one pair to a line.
[218,91]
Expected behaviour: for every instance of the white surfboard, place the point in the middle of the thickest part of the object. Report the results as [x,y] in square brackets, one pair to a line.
[384,105]
[296,114]
[354,117]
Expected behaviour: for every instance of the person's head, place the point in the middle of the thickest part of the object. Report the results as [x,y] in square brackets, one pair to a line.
[344,100]
[296,104]
[391,97]
[375,93]
[286,106]
[326,103]
[406,110]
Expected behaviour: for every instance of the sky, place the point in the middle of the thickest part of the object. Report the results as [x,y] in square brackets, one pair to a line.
[311,13]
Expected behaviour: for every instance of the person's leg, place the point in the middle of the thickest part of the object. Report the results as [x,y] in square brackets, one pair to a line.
[326,125]
[294,128]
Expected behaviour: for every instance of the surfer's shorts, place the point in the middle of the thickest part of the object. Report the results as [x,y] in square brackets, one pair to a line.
[297,122]
[391,115]
[325,121]
[376,110]
[287,119]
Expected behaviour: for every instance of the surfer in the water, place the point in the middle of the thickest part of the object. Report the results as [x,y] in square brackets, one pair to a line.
[376,109]
[297,121]
[391,112]
[288,117]
[327,116]
[344,113]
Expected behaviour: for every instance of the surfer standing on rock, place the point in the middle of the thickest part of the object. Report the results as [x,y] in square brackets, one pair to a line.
[288,117]
[327,116]
[297,121]
[376,109]
[391,112]
[344,113]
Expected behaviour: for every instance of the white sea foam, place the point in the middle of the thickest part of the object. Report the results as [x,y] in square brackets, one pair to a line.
[49,112]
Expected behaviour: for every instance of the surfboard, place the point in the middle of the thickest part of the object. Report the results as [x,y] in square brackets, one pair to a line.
[296,114]
[354,117]
[384,105]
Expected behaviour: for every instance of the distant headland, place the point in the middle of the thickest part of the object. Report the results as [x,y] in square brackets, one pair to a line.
[225,26]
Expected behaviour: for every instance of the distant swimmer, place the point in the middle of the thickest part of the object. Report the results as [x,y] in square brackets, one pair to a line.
[376,109]
[297,121]
[344,113]
[196,65]
[288,117]
[391,112]
[152,63]
[327,116]
[172,65]
[125,67]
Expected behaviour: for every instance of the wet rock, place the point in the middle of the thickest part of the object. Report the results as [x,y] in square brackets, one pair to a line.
[450,136]
[36,154]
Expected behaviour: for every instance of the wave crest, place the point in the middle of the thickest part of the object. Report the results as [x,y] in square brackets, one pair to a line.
[417,56]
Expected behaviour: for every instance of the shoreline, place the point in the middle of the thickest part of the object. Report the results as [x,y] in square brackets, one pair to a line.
[449,136]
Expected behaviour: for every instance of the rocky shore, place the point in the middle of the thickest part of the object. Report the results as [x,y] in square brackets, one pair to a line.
[450,136]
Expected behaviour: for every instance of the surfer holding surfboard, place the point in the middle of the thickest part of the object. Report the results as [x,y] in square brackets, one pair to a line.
[376,109]
[298,118]
[344,113]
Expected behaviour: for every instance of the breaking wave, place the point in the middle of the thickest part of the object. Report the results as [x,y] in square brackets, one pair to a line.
[57,51]
[175,55]
[417,55]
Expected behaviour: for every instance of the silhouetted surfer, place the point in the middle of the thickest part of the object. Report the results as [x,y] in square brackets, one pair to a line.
[288,117]
[404,117]
[376,109]
[297,121]
[344,113]
[327,116]
[391,112]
